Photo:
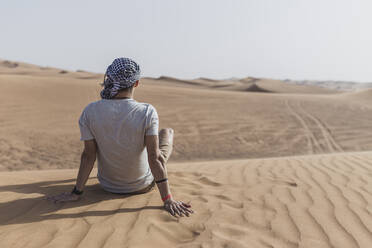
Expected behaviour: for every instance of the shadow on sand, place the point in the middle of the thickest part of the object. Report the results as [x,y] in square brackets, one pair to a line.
[31,207]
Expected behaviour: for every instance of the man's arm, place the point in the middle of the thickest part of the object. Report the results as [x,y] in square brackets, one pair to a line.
[88,157]
[159,172]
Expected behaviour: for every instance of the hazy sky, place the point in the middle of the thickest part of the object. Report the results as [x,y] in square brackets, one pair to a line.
[297,39]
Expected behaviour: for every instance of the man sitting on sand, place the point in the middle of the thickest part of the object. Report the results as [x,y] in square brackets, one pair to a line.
[123,134]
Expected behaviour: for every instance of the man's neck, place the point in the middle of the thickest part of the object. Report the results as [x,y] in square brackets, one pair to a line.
[124,95]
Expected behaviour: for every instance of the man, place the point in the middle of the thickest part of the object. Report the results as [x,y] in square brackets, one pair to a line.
[123,134]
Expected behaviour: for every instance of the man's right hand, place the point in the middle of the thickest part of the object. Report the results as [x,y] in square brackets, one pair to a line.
[178,208]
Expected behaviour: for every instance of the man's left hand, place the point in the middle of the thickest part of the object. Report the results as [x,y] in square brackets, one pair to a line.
[64,197]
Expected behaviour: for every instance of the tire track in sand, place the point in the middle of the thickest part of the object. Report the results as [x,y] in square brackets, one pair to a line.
[312,142]
[314,126]
[333,146]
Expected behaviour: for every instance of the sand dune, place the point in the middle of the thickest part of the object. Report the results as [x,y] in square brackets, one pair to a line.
[18,68]
[39,113]
[309,201]
[319,200]
[361,96]
[248,84]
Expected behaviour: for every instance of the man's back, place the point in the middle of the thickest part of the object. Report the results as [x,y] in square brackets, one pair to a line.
[119,127]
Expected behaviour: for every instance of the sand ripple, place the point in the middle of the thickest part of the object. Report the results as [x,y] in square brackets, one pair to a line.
[309,201]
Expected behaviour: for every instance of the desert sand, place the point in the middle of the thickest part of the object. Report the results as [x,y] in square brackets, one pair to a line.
[263,163]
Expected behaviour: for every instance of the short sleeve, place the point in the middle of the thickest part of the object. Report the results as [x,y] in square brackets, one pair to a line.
[85,131]
[152,121]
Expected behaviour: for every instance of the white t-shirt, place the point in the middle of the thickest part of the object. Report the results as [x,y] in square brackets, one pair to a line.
[119,128]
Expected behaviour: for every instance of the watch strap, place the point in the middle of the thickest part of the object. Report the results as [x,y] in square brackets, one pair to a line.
[76,192]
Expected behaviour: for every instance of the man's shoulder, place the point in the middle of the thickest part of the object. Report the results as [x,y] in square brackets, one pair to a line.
[91,105]
[146,106]
[142,106]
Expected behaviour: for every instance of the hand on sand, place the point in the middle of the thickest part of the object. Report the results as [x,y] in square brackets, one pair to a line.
[64,197]
[178,208]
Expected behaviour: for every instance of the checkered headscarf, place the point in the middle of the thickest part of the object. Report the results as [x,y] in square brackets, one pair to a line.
[121,74]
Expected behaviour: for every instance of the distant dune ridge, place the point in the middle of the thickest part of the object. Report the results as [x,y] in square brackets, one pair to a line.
[336,85]
[248,84]
[17,68]
[264,162]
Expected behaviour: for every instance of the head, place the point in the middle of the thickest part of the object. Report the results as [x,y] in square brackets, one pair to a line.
[121,76]
[129,90]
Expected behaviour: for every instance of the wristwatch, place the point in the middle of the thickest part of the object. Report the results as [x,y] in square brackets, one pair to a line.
[76,192]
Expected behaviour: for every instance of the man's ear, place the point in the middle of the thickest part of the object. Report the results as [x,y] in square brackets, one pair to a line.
[136,83]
